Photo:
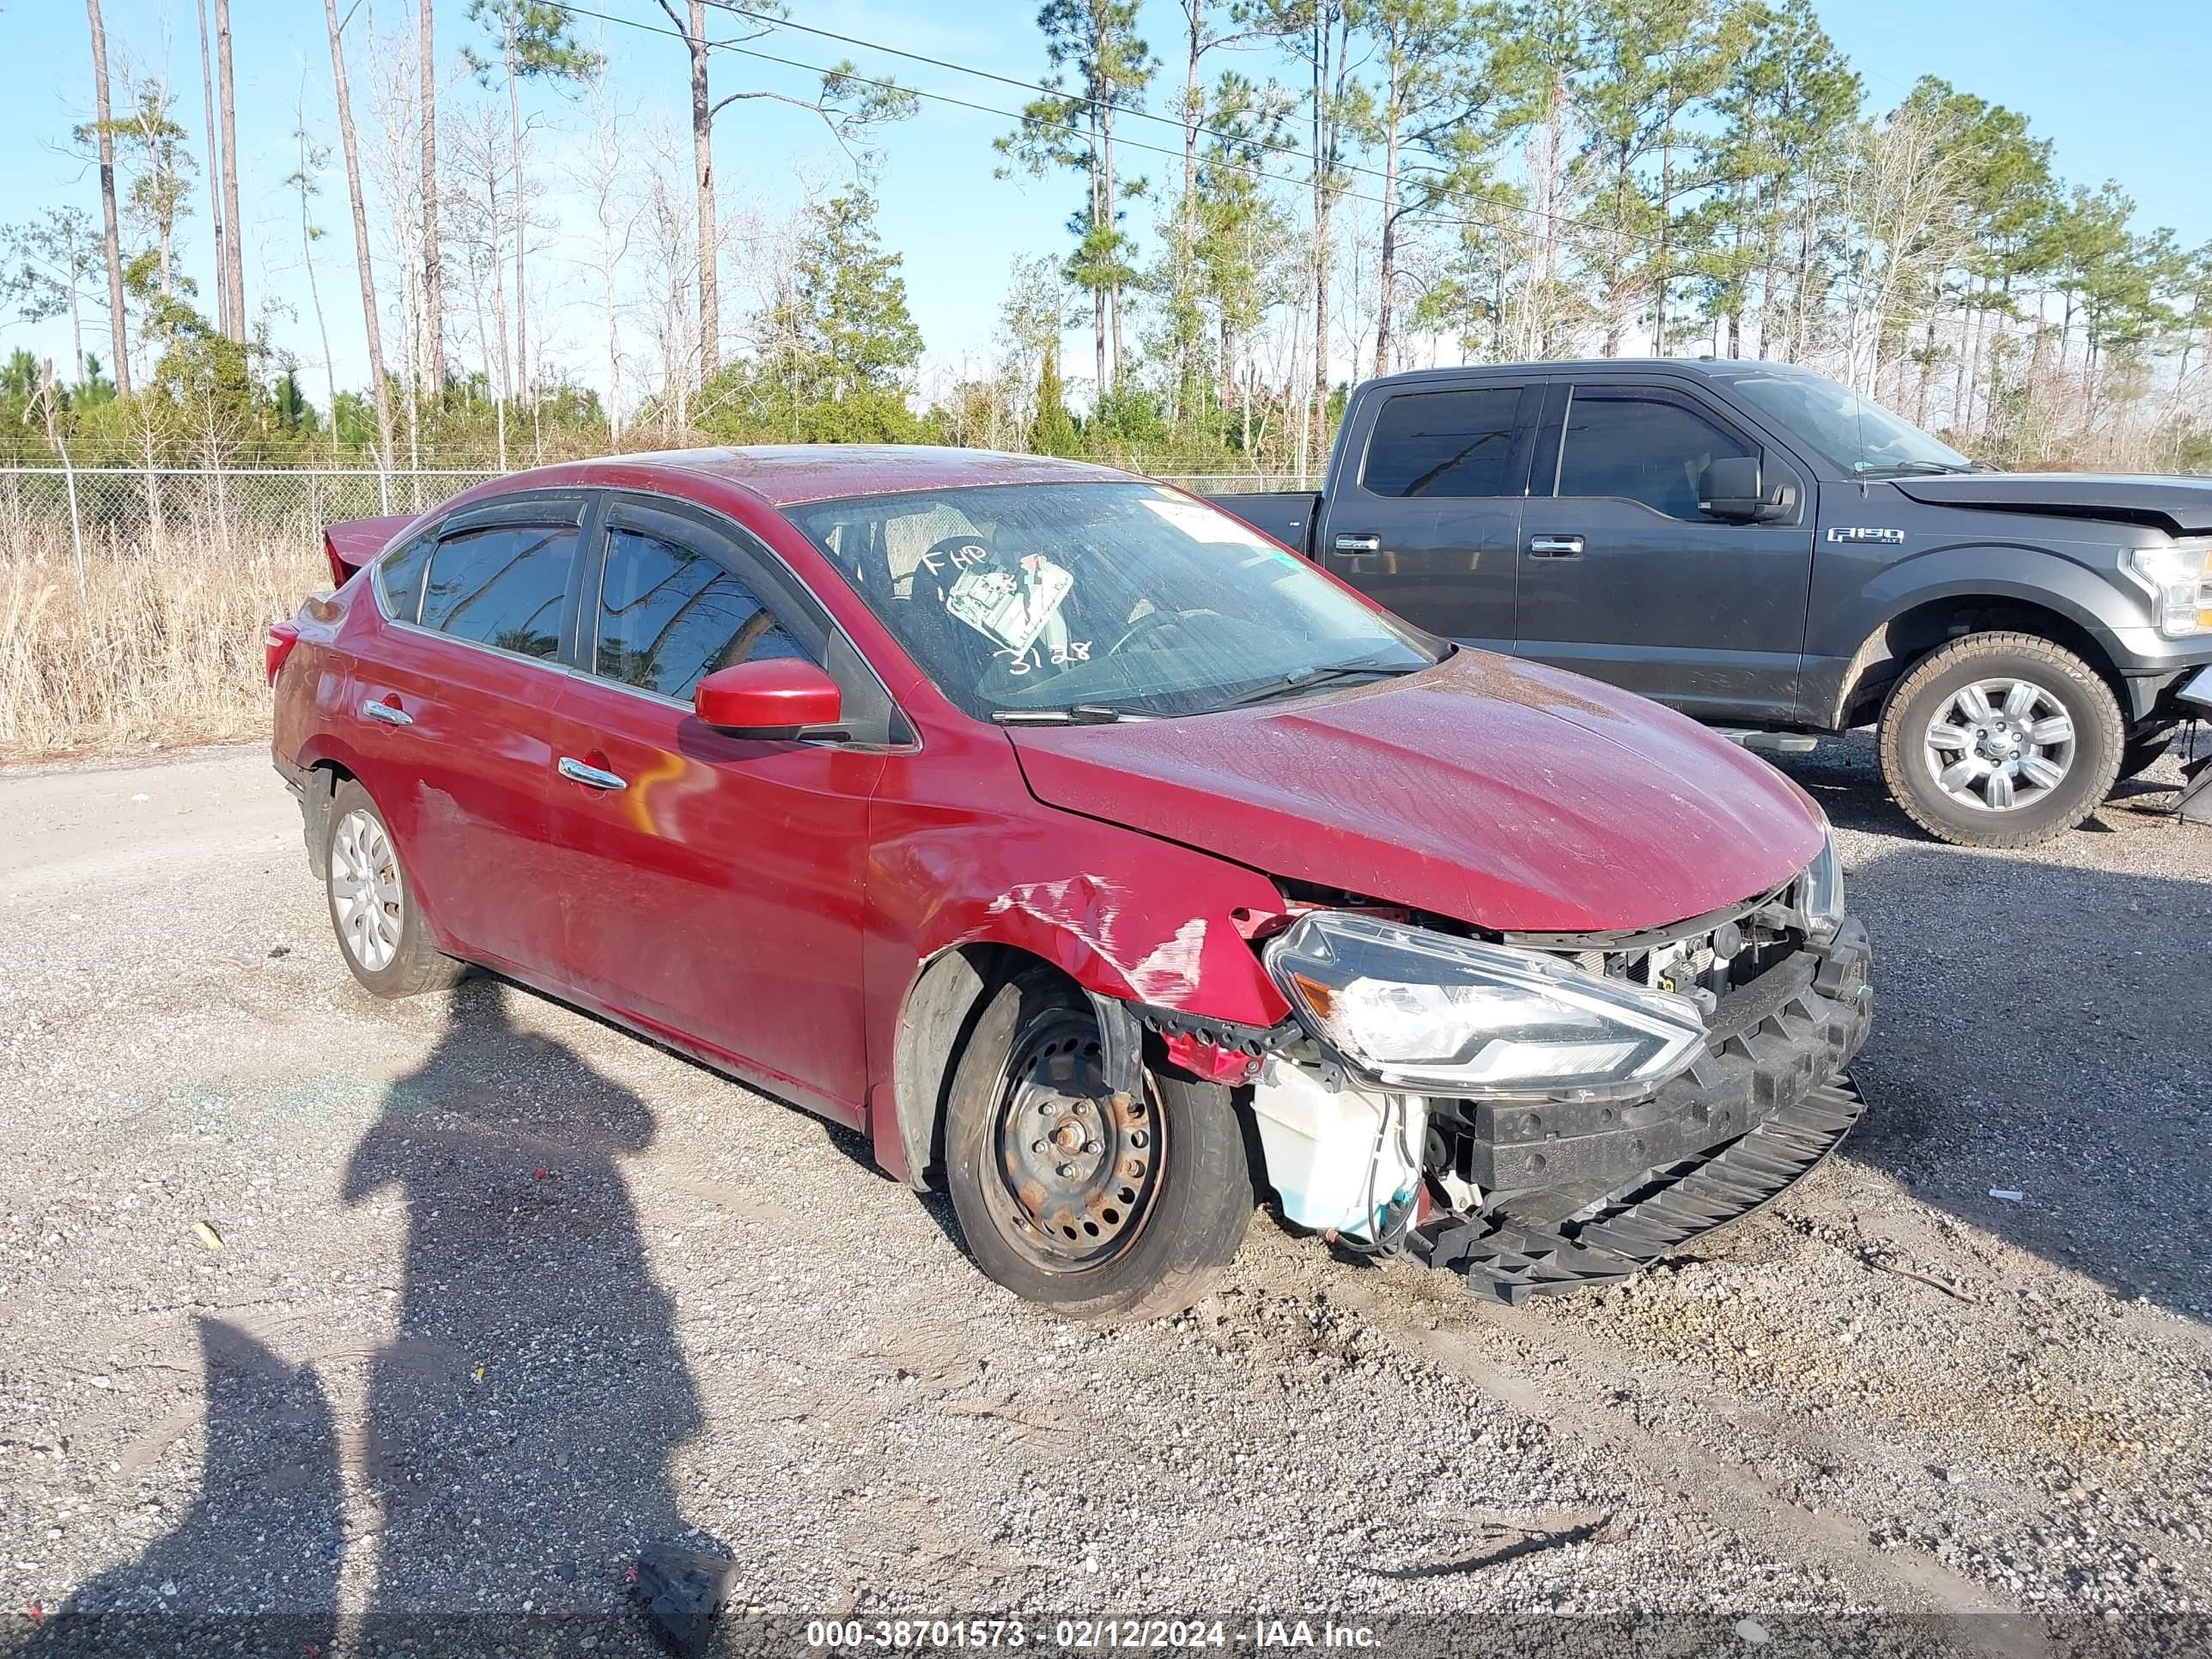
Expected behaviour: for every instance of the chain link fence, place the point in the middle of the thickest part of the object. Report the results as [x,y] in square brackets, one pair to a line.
[134,600]
[95,511]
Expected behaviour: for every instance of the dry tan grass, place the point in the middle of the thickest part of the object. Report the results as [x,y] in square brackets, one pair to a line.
[164,645]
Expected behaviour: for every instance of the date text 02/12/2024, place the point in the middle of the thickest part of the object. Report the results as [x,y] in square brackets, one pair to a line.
[1087,1635]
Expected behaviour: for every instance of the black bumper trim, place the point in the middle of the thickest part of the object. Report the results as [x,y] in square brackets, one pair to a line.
[1511,1260]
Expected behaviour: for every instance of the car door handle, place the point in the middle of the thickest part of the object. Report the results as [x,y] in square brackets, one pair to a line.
[390,713]
[1555,547]
[576,771]
[1368,544]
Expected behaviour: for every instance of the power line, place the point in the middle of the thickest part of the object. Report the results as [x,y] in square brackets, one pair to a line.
[1563,223]
[1181,126]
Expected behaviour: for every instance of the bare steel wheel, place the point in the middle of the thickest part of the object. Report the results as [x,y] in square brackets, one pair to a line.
[1099,1204]
[2000,740]
[1077,1166]
[382,934]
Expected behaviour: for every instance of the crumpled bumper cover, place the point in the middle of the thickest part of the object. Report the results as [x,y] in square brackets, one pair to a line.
[1766,1102]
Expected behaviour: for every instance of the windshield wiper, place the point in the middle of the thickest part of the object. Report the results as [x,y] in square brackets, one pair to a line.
[1867,469]
[1290,684]
[1081,714]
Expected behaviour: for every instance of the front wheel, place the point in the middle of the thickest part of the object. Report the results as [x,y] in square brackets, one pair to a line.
[1097,1205]
[2000,740]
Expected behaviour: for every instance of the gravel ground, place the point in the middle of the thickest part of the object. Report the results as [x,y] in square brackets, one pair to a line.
[333,1308]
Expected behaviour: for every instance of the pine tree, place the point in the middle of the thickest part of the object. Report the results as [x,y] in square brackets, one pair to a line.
[841,346]
[1054,433]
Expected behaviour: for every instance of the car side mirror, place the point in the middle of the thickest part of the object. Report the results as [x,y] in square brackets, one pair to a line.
[777,697]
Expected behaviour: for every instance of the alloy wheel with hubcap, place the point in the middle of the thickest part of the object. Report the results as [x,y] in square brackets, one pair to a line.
[2000,745]
[365,901]
[375,909]
[2000,740]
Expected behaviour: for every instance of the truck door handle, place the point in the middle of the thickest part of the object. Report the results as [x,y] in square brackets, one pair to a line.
[1555,547]
[390,713]
[591,776]
[1364,544]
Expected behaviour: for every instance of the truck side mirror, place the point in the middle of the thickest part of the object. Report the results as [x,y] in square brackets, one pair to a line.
[1733,489]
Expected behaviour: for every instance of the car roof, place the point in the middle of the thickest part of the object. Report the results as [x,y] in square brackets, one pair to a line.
[788,475]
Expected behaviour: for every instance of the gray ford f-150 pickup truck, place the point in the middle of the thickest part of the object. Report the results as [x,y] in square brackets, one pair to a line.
[1762,549]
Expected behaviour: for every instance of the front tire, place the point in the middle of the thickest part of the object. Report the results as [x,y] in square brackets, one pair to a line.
[1098,1206]
[2000,740]
[382,932]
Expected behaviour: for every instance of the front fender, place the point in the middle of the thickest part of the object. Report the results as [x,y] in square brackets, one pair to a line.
[1127,917]
[2015,573]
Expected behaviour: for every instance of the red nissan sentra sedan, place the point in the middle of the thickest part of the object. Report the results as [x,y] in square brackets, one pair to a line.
[1086,850]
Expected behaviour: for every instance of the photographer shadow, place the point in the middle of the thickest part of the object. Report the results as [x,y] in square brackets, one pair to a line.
[522,1422]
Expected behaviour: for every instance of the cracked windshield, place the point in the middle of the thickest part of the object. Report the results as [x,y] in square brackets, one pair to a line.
[1045,603]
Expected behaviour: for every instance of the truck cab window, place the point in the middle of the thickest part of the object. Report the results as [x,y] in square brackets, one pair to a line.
[1640,447]
[1445,444]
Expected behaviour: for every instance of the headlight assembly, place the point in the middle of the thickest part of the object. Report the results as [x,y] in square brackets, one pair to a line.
[1821,892]
[2178,579]
[1429,1013]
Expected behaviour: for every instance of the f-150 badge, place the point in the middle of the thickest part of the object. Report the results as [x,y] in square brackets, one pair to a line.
[1859,532]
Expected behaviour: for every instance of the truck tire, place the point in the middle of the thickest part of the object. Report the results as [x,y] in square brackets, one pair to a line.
[1097,1207]
[382,932]
[2000,740]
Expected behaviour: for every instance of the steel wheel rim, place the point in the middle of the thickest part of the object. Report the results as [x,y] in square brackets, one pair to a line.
[365,898]
[1055,1114]
[1999,745]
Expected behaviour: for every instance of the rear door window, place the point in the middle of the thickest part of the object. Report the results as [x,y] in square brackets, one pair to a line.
[399,575]
[504,587]
[669,614]
[1445,444]
[1649,446]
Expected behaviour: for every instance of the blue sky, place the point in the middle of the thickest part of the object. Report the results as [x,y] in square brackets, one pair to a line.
[2116,83]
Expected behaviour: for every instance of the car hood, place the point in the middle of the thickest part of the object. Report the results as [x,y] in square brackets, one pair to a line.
[2180,507]
[1505,795]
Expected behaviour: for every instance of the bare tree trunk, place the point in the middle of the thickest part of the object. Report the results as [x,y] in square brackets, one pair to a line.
[1187,216]
[1385,275]
[1114,291]
[118,325]
[521,215]
[702,155]
[214,178]
[433,264]
[361,247]
[315,292]
[1321,162]
[233,233]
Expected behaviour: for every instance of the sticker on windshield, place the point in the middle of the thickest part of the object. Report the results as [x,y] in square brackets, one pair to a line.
[1203,523]
[1009,609]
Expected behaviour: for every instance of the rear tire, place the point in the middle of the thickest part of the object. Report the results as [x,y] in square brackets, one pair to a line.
[2000,740]
[382,934]
[1157,1191]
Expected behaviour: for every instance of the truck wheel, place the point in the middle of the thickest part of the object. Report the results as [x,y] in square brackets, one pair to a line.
[382,932]
[2000,740]
[1096,1205]
[2146,752]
